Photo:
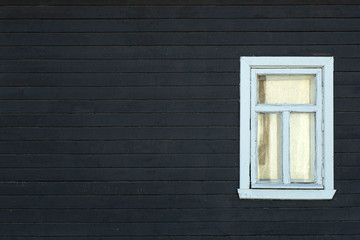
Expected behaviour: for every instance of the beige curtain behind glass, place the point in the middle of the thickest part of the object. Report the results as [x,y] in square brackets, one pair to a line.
[290,89]
[302,147]
[286,89]
[269,147]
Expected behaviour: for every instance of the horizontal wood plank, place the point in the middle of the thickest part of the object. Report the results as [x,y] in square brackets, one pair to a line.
[263,237]
[126,66]
[161,2]
[175,215]
[121,93]
[118,79]
[120,174]
[344,91]
[140,133]
[343,132]
[173,52]
[182,39]
[124,160]
[347,145]
[123,120]
[180,25]
[121,146]
[346,105]
[23,188]
[166,229]
[149,106]
[175,12]
[347,118]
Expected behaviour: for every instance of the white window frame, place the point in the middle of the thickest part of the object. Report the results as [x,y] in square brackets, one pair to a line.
[323,187]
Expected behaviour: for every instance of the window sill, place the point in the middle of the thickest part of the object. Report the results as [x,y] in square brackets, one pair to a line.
[291,186]
[286,194]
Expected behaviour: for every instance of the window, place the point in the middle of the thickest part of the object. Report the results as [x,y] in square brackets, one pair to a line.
[286,128]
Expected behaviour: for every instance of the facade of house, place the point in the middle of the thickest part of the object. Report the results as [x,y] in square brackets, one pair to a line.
[120,119]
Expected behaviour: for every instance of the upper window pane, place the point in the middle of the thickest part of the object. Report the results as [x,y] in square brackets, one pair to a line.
[286,89]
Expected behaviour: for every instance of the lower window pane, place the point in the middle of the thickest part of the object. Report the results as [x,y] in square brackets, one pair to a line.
[269,147]
[302,147]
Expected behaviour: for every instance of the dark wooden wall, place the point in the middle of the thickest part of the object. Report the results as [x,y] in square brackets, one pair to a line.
[121,121]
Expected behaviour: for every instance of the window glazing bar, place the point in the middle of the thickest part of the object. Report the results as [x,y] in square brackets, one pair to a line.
[285,146]
[284,107]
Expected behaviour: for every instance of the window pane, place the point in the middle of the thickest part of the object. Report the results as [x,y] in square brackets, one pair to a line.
[269,147]
[291,89]
[302,147]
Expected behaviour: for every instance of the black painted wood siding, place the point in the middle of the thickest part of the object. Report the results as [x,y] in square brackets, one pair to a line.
[119,119]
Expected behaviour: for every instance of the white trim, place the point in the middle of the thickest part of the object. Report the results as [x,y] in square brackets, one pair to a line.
[322,67]
[328,124]
[287,71]
[285,62]
[245,126]
[286,194]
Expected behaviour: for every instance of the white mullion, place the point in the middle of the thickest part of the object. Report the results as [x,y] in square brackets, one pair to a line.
[286,147]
